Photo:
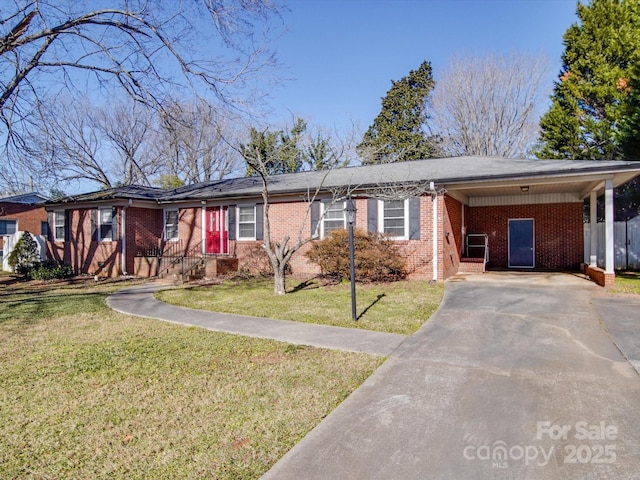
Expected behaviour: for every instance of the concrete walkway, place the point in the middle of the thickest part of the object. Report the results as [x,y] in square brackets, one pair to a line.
[139,301]
[515,377]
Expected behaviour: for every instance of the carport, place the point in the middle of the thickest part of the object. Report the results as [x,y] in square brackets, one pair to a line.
[532,211]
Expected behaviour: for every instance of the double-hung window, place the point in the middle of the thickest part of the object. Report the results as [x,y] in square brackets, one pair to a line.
[333,218]
[8,227]
[171,225]
[394,218]
[58,225]
[105,216]
[247,222]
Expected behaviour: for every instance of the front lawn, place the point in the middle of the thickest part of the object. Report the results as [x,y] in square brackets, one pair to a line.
[89,393]
[397,307]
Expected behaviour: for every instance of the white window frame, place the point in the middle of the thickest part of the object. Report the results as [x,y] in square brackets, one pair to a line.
[381,220]
[166,224]
[15,224]
[59,221]
[323,218]
[100,224]
[239,222]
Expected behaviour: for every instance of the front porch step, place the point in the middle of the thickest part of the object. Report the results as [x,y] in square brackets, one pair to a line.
[471,265]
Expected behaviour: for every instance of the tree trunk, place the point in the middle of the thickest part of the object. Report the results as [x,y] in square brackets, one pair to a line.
[279,282]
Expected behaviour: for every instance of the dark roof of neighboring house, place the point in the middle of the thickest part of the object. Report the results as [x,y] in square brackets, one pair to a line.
[442,171]
[31,198]
[134,192]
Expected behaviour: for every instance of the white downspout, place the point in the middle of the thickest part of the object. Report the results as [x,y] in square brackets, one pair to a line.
[434,215]
[123,235]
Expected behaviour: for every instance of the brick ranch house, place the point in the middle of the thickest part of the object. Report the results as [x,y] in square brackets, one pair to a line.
[23,212]
[473,213]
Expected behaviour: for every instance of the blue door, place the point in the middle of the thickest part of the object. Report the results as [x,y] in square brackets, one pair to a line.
[521,243]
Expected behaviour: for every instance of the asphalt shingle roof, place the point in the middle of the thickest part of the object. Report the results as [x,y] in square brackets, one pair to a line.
[32,198]
[135,192]
[440,170]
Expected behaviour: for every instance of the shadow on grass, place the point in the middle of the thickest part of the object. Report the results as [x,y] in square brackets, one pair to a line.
[378,298]
[307,284]
[628,275]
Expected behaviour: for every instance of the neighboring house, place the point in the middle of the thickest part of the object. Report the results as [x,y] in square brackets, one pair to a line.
[471,213]
[20,213]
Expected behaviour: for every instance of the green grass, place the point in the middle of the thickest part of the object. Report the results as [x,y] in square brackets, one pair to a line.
[89,393]
[627,282]
[398,307]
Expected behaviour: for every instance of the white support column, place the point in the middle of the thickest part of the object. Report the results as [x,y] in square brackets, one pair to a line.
[593,244]
[434,214]
[608,218]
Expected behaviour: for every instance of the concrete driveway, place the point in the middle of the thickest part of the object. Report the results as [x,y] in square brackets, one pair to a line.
[515,377]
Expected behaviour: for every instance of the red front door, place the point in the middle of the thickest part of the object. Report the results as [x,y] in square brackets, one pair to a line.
[217,232]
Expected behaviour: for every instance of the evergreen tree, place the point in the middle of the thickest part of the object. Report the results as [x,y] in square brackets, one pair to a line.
[276,152]
[25,254]
[398,132]
[629,133]
[591,97]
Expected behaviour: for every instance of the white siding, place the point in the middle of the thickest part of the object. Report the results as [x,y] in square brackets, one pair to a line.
[525,199]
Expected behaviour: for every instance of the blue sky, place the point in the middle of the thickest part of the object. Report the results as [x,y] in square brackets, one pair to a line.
[341,55]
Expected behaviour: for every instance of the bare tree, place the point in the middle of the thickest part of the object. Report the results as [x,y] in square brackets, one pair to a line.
[195,140]
[127,129]
[150,50]
[489,105]
[68,140]
[107,145]
[260,161]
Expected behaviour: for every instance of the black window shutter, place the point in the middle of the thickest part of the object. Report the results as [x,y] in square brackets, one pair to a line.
[67,225]
[114,223]
[315,216]
[94,224]
[259,221]
[50,226]
[372,215]
[232,222]
[414,218]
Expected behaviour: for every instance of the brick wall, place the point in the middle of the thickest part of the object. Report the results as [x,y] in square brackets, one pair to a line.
[143,231]
[287,219]
[290,219]
[83,253]
[28,217]
[190,228]
[558,237]
[599,276]
[450,246]
[557,232]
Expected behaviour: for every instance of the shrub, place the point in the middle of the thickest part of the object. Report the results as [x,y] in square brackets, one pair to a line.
[25,255]
[377,259]
[50,270]
[258,263]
